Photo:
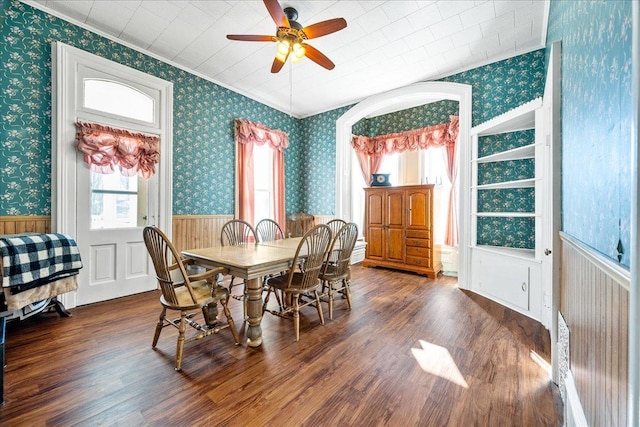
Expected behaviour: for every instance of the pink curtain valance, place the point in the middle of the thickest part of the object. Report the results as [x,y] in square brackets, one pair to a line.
[106,148]
[258,134]
[444,134]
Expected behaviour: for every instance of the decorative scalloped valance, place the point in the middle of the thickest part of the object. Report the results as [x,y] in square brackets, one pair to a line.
[247,131]
[106,148]
[416,139]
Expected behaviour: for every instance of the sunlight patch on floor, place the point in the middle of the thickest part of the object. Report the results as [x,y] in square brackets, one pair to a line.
[437,361]
[540,361]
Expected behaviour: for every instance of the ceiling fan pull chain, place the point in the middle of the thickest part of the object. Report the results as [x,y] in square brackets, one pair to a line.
[290,89]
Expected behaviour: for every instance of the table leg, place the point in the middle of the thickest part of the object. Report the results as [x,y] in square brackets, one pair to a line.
[254,312]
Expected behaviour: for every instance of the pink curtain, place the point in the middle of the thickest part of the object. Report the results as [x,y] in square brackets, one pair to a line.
[369,164]
[280,214]
[416,139]
[105,148]
[247,134]
[244,168]
[370,150]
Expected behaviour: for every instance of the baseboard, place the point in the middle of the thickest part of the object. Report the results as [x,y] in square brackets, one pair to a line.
[358,252]
[573,412]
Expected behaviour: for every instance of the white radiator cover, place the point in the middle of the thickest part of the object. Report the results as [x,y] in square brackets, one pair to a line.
[573,412]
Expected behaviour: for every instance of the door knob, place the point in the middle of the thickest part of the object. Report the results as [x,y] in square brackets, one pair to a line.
[547,252]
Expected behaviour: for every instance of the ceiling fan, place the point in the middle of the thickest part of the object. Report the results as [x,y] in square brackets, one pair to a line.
[290,36]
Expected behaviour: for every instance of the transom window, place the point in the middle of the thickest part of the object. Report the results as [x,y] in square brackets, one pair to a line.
[119,99]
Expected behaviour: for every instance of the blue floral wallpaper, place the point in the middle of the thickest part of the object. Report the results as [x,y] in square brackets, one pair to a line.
[491,144]
[510,232]
[504,85]
[521,200]
[203,150]
[411,118]
[318,165]
[596,120]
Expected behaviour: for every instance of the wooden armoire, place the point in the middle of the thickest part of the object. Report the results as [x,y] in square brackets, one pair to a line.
[399,229]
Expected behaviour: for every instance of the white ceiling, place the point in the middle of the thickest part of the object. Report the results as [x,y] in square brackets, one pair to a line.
[386,45]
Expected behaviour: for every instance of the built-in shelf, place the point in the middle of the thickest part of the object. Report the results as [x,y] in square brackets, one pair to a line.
[521,183]
[507,214]
[507,274]
[520,118]
[526,152]
[528,254]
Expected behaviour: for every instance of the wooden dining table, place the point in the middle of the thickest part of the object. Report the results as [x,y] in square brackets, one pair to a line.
[250,262]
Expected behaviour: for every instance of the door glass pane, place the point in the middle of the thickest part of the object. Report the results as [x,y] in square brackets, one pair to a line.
[108,96]
[118,201]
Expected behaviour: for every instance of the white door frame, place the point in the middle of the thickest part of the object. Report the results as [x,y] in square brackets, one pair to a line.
[65,158]
[634,293]
[552,219]
[400,99]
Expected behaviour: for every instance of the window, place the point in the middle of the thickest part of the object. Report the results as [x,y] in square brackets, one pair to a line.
[391,165]
[434,170]
[263,182]
[119,99]
[117,201]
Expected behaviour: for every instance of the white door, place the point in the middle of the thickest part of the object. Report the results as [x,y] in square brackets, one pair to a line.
[111,212]
[106,213]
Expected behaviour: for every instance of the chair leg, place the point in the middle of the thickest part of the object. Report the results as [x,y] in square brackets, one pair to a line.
[266,300]
[182,327]
[296,317]
[347,292]
[330,299]
[279,301]
[159,327]
[230,321]
[319,307]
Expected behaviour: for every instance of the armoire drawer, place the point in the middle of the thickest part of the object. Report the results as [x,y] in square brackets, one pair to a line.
[419,252]
[420,243]
[424,262]
[418,234]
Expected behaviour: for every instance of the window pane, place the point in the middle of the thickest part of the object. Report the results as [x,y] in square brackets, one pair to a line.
[262,205]
[435,169]
[110,210]
[114,182]
[117,201]
[107,96]
[263,182]
[390,165]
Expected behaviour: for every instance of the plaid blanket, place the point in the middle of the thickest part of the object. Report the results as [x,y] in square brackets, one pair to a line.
[34,260]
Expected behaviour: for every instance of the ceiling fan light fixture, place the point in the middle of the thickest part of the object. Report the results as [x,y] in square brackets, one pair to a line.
[298,50]
[283,47]
[281,56]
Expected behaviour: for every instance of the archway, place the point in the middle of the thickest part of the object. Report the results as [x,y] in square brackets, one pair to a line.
[399,99]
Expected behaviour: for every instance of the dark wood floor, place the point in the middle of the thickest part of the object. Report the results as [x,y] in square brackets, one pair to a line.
[412,352]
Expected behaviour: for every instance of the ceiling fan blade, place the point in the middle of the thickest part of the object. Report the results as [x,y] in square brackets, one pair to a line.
[276,12]
[250,38]
[278,64]
[318,57]
[325,27]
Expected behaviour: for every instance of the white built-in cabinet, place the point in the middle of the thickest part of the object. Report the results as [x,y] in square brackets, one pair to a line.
[509,275]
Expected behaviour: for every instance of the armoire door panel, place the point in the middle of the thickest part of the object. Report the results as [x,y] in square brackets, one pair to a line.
[419,209]
[395,208]
[376,210]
